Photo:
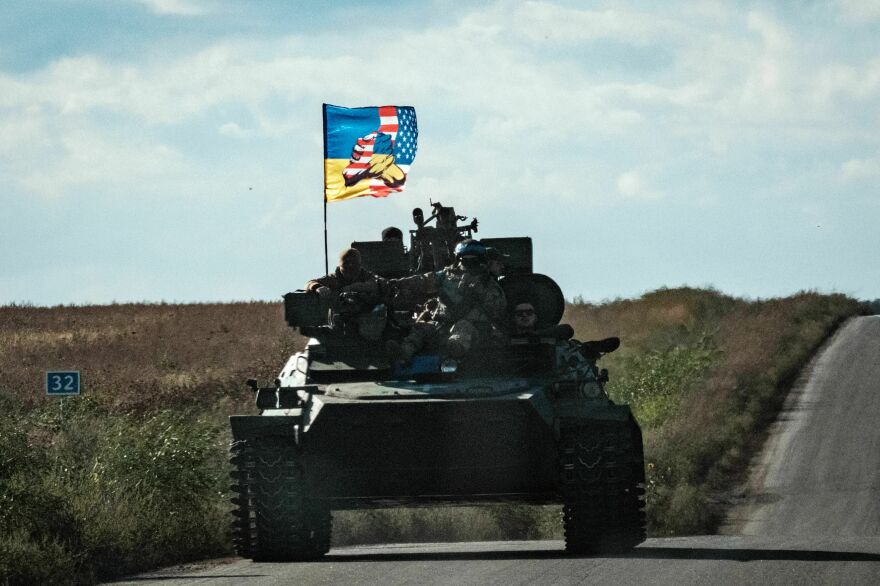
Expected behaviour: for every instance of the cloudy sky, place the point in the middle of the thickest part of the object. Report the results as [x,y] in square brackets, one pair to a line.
[172,150]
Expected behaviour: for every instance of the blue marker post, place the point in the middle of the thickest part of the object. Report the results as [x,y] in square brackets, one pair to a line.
[62,383]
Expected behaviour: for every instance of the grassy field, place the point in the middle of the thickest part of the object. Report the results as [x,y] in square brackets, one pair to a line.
[706,373]
[132,475]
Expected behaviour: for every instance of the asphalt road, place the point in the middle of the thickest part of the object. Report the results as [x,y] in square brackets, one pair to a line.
[811,514]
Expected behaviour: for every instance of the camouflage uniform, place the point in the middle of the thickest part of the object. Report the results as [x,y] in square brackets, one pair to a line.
[368,313]
[464,306]
[336,281]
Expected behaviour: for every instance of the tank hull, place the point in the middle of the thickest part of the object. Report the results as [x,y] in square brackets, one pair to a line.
[373,453]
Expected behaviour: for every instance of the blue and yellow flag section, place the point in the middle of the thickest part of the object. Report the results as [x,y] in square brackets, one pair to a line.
[367,151]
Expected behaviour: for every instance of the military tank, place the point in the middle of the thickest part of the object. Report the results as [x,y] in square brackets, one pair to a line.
[526,420]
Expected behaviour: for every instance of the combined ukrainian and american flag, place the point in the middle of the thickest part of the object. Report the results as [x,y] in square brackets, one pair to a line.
[367,151]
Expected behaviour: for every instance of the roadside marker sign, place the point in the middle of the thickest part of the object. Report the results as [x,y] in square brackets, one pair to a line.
[62,382]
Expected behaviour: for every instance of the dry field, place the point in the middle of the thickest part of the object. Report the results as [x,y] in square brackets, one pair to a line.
[132,475]
[145,355]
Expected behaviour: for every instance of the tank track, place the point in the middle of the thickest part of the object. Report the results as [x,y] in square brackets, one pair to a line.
[603,479]
[273,519]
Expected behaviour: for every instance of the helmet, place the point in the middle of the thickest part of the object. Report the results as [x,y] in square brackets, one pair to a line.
[470,248]
[391,233]
[472,255]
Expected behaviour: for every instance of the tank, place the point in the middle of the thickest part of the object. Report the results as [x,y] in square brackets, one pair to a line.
[523,419]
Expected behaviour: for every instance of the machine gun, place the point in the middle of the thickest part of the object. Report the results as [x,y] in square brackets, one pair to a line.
[431,247]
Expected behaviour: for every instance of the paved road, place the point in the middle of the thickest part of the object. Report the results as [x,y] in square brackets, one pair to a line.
[813,515]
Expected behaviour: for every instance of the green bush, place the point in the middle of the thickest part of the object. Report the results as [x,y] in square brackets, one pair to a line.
[26,560]
[105,495]
[654,383]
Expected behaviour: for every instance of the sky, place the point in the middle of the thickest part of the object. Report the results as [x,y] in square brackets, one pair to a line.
[171,150]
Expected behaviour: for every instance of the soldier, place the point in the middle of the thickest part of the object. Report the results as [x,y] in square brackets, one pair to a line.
[355,297]
[467,304]
[392,234]
[346,274]
[576,360]
[525,323]
[524,319]
[496,261]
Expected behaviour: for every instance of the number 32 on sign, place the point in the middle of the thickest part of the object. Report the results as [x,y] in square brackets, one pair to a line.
[62,382]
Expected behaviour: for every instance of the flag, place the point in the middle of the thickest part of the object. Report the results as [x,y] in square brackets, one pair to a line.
[367,151]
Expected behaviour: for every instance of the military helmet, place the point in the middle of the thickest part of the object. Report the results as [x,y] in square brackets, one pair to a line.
[391,233]
[470,248]
[472,255]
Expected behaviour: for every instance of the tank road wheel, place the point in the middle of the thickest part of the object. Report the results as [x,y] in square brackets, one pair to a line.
[273,519]
[603,480]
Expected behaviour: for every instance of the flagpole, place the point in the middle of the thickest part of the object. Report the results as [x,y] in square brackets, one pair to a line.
[324,190]
[326,262]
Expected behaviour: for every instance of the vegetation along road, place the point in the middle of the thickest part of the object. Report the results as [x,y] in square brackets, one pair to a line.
[811,514]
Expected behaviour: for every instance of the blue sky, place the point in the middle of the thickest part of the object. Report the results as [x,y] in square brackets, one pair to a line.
[171,149]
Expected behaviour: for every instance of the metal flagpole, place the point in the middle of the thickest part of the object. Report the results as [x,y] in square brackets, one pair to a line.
[326,262]
[324,191]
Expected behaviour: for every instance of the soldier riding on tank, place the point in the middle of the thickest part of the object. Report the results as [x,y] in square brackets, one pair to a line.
[354,294]
[466,304]
[347,273]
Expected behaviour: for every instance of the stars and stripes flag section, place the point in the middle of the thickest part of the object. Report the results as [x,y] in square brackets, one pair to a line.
[367,151]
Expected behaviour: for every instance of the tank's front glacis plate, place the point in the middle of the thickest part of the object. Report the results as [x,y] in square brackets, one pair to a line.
[401,441]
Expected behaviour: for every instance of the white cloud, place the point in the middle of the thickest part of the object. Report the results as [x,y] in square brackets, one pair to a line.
[90,158]
[775,36]
[532,112]
[859,169]
[545,21]
[184,88]
[234,130]
[631,185]
[859,11]
[175,7]
[731,79]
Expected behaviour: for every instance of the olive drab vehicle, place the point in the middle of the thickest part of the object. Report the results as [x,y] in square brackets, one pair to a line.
[522,419]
